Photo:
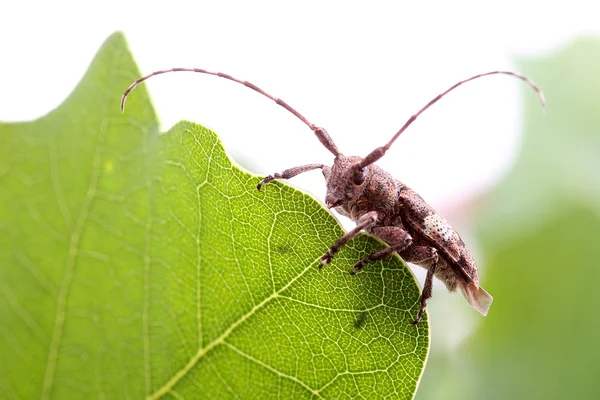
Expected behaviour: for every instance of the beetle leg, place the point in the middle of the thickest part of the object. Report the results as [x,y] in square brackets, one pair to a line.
[397,238]
[364,222]
[423,256]
[426,257]
[290,173]
[427,289]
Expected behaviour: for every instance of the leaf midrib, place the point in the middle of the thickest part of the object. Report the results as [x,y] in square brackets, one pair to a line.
[166,388]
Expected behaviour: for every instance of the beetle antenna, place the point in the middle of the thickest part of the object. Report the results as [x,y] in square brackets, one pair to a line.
[380,151]
[321,133]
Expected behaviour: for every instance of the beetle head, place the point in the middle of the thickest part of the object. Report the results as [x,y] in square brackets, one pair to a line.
[345,181]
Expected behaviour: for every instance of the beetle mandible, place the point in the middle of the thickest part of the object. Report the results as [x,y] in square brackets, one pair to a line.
[384,206]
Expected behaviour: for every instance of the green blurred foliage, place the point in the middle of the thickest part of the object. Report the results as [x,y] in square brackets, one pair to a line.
[540,235]
[135,264]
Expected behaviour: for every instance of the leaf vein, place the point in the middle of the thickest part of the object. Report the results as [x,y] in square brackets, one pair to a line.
[219,340]
[65,286]
[270,368]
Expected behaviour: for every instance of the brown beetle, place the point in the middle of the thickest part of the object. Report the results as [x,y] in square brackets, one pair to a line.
[385,207]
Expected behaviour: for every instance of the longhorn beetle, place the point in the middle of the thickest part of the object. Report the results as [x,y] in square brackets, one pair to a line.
[384,206]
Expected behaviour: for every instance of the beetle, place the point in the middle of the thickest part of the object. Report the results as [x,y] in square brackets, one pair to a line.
[384,206]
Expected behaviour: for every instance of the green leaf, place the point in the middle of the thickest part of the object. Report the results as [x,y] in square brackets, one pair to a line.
[136,264]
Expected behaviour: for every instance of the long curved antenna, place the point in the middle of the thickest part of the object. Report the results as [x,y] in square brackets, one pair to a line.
[321,133]
[380,151]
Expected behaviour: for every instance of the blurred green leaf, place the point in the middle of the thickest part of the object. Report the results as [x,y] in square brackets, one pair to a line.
[559,162]
[136,264]
[541,235]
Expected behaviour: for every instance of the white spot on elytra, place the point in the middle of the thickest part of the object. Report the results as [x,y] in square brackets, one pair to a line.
[436,225]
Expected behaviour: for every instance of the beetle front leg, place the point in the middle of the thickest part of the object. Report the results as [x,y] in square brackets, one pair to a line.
[364,222]
[290,173]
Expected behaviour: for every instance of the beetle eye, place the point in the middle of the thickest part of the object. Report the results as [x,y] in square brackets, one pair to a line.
[359,176]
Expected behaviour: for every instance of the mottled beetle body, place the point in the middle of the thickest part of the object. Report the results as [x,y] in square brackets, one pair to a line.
[409,226]
[385,207]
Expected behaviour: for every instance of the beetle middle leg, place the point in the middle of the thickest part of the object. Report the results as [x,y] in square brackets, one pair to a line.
[397,239]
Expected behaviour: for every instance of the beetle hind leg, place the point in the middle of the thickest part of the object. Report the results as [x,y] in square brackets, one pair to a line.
[426,257]
[427,290]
